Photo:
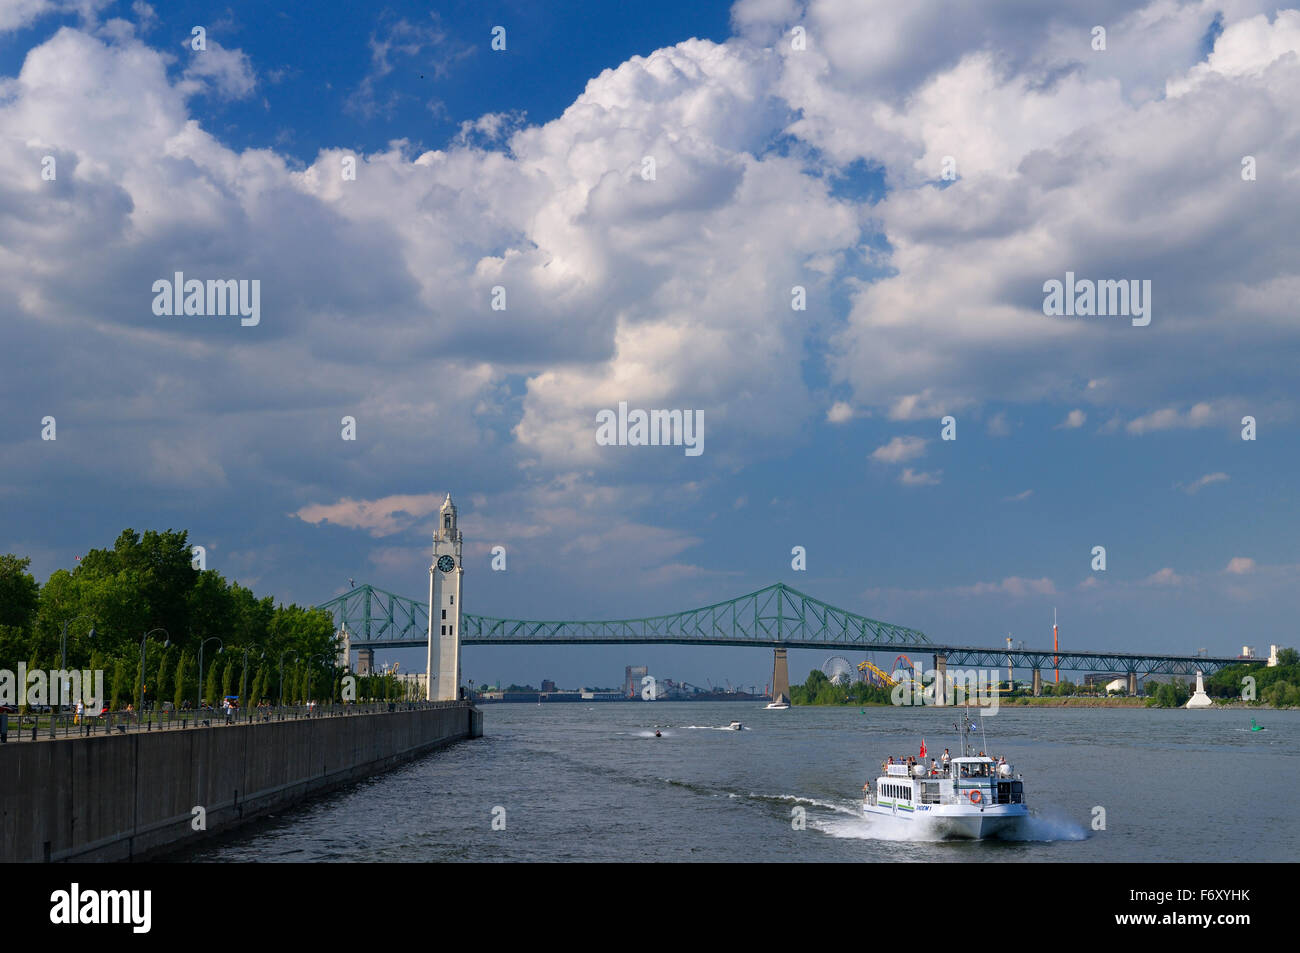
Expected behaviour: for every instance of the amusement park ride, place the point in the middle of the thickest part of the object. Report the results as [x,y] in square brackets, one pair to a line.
[872,675]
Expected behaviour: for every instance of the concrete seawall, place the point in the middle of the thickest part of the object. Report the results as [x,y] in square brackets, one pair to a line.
[132,796]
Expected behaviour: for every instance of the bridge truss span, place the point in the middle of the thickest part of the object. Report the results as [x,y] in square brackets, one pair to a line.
[774,615]
[1119,663]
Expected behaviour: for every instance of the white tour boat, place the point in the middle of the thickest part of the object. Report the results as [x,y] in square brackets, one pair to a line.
[971,796]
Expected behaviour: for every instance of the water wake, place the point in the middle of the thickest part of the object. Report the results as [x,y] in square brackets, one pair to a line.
[715,728]
[1044,827]
[796,799]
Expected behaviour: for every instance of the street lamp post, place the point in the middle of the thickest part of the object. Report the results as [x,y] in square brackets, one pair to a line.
[244,681]
[143,640]
[282,655]
[221,646]
[63,651]
[309,661]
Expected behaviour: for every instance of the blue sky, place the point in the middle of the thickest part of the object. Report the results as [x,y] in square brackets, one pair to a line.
[777,166]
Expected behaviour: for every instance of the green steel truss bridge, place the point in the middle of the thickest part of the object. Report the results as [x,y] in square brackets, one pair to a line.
[776,616]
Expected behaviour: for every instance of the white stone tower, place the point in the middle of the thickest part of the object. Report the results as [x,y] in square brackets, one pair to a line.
[444,607]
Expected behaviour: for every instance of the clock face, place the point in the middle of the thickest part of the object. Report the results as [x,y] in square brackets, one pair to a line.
[446,563]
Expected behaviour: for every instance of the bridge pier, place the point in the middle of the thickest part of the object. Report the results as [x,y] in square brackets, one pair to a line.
[780,675]
[940,679]
[1132,683]
[1038,683]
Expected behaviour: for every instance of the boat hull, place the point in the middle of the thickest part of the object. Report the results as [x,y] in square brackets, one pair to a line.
[958,823]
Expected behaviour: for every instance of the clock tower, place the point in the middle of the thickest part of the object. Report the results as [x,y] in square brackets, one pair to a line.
[444,607]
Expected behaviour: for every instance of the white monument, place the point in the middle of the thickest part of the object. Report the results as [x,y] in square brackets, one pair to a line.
[444,607]
[344,643]
[1199,699]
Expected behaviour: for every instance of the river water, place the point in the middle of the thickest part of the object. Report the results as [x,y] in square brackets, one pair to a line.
[591,782]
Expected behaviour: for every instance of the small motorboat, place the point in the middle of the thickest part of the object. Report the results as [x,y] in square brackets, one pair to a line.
[735,726]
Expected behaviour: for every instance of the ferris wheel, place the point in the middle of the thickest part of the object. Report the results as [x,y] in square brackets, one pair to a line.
[838,670]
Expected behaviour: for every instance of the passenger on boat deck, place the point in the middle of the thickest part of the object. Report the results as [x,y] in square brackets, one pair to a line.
[891,760]
[934,768]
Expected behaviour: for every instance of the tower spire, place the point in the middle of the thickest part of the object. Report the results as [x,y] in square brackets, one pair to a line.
[444,606]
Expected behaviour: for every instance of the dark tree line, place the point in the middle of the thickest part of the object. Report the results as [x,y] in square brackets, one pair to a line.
[150,584]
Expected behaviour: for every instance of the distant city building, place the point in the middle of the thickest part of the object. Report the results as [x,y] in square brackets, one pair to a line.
[548,685]
[415,685]
[632,683]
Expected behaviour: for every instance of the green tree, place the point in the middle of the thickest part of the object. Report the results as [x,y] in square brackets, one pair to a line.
[255,694]
[210,689]
[211,610]
[1288,657]
[228,676]
[828,694]
[14,644]
[19,593]
[118,684]
[161,565]
[1181,692]
[182,679]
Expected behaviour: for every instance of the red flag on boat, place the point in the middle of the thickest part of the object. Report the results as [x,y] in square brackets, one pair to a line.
[922,754]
